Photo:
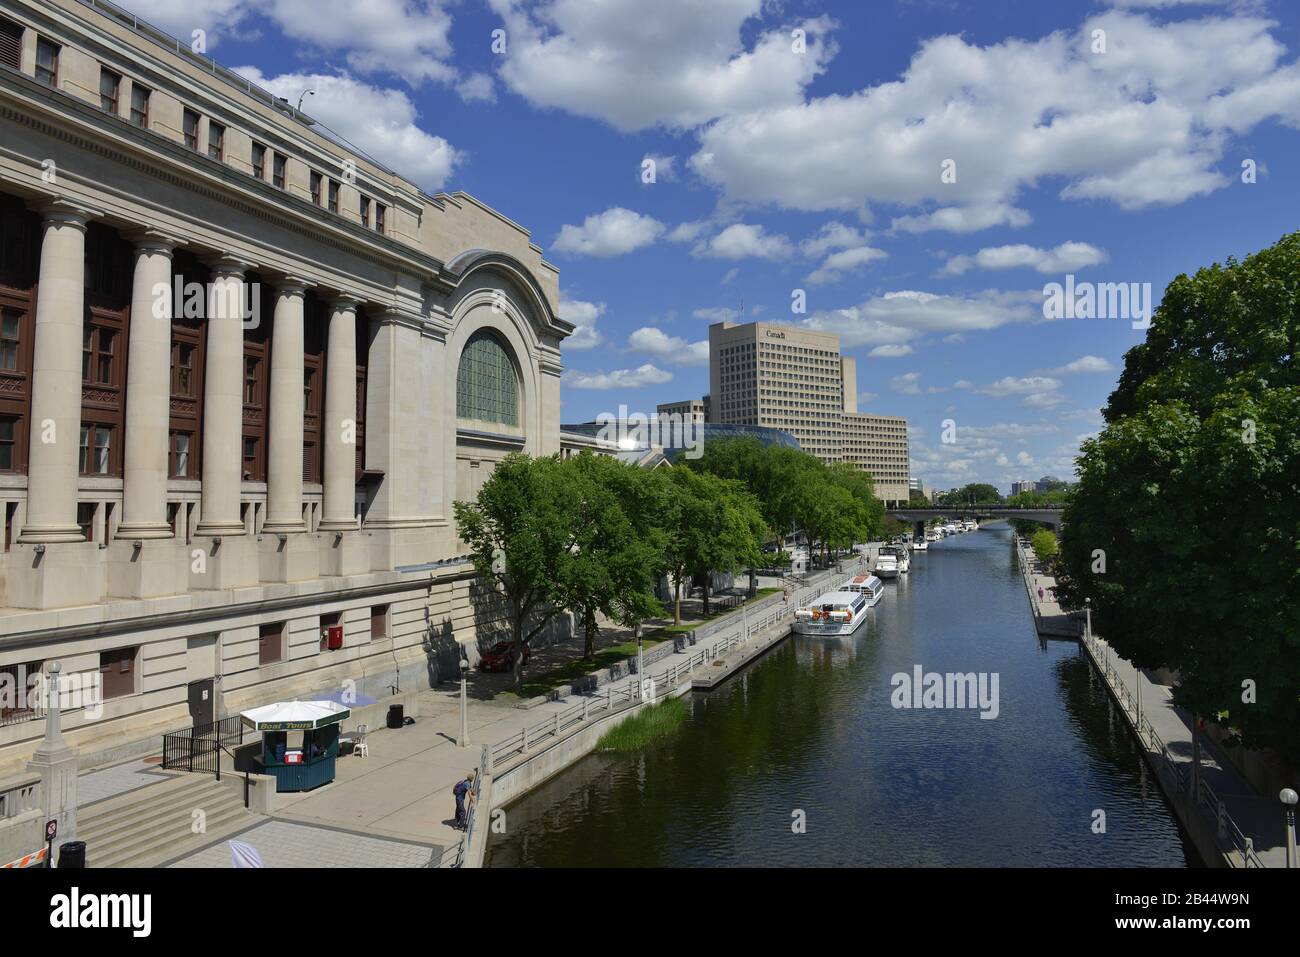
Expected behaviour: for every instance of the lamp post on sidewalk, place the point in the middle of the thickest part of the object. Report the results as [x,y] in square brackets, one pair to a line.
[640,665]
[1289,798]
[464,705]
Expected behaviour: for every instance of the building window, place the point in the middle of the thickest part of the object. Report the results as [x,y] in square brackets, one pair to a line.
[47,62]
[487,388]
[20,705]
[270,643]
[378,621]
[334,196]
[216,140]
[315,187]
[277,170]
[140,105]
[109,83]
[190,124]
[259,161]
[8,444]
[85,518]
[252,370]
[379,217]
[97,347]
[180,454]
[365,211]
[250,457]
[11,44]
[183,369]
[117,672]
[10,324]
[332,620]
[96,449]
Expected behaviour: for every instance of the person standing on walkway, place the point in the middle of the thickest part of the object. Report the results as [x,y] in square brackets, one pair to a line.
[460,792]
[1040,592]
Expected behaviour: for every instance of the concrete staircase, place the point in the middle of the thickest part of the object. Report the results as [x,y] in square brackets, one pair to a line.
[154,824]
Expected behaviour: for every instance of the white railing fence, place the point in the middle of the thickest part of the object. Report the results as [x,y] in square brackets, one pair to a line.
[1179,772]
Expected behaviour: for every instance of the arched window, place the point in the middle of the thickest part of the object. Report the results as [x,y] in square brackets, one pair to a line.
[486,386]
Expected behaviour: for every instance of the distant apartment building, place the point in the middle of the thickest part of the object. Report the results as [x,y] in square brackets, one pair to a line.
[1018,487]
[796,380]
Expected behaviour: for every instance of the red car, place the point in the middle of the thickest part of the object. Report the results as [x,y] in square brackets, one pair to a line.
[500,657]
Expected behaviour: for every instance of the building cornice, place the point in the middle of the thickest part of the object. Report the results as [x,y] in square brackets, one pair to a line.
[172,162]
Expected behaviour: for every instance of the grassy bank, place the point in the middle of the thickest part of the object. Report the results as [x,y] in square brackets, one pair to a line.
[649,724]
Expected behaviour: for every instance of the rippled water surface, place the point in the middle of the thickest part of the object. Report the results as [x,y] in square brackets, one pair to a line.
[810,728]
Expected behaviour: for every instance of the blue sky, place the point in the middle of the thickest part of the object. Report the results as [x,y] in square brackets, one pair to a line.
[1101,139]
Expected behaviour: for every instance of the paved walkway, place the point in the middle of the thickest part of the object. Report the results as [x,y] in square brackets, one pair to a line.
[1256,816]
[395,807]
[285,844]
[403,790]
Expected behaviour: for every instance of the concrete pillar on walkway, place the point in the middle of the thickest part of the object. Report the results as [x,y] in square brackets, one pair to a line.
[57,765]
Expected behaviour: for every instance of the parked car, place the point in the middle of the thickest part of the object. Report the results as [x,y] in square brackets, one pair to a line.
[500,657]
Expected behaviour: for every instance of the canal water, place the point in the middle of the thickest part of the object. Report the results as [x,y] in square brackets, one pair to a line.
[808,733]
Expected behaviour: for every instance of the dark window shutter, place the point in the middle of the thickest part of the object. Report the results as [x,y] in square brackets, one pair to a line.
[11,43]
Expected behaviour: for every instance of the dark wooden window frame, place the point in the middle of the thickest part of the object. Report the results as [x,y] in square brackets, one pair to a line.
[185,406]
[313,385]
[271,636]
[257,347]
[109,273]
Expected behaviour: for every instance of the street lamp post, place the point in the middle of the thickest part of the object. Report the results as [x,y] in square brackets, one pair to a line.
[464,704]
[1087,611]
[640,665]
[1288,798]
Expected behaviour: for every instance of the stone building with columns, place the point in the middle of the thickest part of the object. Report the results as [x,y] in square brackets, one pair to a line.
[245,371]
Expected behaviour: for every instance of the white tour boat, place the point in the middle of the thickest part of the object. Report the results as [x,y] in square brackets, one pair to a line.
[832,614]
[920,545]
[868,586]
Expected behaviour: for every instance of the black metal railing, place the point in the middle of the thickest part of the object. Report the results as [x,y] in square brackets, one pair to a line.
[199,748]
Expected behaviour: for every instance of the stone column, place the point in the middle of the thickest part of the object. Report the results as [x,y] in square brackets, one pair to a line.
[339,424]
[56,379]
[284,435]
[148,393]
[56,763]
[223,401]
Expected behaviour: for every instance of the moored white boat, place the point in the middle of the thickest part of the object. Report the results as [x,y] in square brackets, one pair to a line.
[868,586]
[900,554]
[832,614]
[920,545]
[885,565]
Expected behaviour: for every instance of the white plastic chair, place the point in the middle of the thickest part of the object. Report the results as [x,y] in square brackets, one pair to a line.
[360,745]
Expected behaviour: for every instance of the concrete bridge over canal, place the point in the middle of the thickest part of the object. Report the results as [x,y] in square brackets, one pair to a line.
[917,516]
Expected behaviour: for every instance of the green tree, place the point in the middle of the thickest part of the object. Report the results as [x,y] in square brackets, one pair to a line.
[1182,529]
[617,554]
[981,493]
[708,524]
[522,531]
[1045,545]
